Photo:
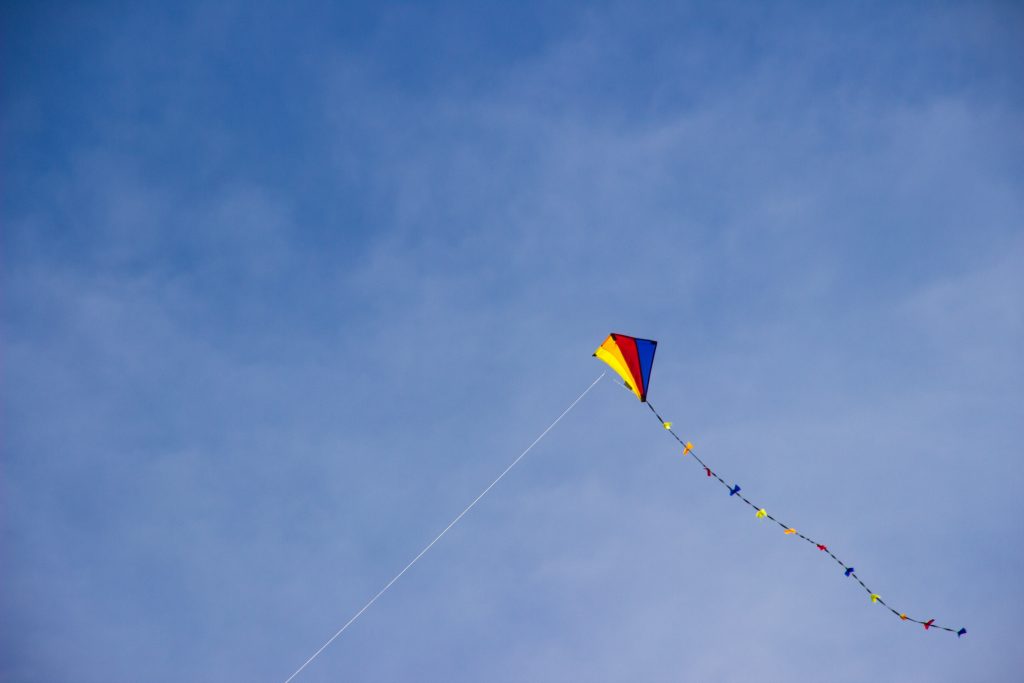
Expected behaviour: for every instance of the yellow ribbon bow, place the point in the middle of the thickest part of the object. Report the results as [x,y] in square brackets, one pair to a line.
[667,425]
[761,514]
[874,597]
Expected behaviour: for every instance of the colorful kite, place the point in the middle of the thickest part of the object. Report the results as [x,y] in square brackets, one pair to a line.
[632,359]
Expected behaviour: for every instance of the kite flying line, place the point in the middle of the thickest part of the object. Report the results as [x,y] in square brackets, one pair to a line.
[632,359]
[438,537]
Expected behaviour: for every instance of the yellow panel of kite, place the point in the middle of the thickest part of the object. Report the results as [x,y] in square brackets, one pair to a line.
[614,359]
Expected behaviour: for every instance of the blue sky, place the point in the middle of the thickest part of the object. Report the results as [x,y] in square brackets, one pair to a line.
[284,287]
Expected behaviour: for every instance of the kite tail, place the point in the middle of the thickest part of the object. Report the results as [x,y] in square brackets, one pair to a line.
[761,513]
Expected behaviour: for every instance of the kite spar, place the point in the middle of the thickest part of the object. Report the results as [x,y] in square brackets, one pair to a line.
[438,537]
[632,359]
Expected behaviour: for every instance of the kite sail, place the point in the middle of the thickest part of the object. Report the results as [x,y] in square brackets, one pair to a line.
[632,359]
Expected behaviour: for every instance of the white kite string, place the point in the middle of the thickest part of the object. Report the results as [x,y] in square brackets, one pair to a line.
[431,544]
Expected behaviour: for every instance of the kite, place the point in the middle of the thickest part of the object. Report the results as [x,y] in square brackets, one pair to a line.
[632,359]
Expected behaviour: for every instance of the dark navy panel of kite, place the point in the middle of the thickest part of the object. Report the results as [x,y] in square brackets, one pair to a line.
[645,349]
